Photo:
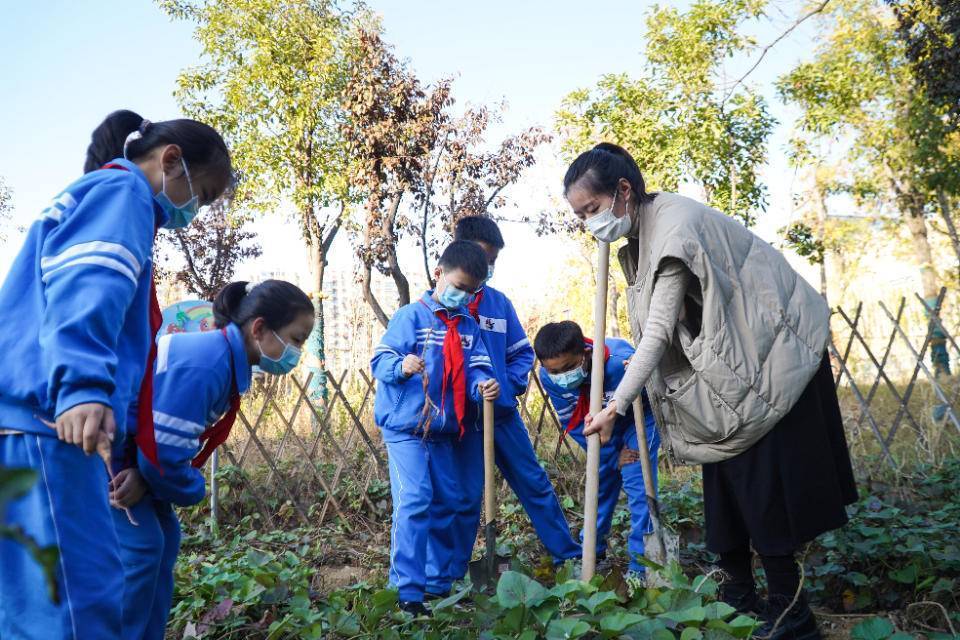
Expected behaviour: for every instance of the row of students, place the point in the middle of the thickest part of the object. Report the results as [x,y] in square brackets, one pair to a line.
[91,377]
[80,293]
[439,358]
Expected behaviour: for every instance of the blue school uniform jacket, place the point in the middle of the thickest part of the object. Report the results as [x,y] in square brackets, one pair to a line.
[508,346]
[416,329]
[193,382]
[564,400]
[75,305]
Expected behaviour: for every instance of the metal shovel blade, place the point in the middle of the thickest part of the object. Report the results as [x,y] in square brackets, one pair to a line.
[485,572]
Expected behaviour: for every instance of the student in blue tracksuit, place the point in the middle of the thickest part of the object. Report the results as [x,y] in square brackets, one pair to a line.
[512,357]
[76,304]
[198,379]
[566,356]
[436,338]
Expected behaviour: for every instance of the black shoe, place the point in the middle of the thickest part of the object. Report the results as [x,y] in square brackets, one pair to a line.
[743,598]
[416,609]
[798,623]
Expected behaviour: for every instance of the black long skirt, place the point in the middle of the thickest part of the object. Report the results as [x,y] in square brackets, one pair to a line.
[789,487]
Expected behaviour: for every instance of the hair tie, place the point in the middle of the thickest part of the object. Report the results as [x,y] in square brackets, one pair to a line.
[135,135]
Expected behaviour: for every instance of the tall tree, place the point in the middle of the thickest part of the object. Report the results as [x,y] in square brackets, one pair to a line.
[858,93]
[271,80]
[930,33]
[209,249]
[677,118]
[418,167]
[392,124]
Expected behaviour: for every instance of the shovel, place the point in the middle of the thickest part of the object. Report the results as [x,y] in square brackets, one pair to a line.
[661,551]
[485,571]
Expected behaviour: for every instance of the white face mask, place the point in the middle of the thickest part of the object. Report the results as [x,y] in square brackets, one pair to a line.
[608,227]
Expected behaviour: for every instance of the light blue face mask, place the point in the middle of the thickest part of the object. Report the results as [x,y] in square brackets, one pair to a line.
[489,272]
[285,363]
[451,297]
[569,379]
[178,216]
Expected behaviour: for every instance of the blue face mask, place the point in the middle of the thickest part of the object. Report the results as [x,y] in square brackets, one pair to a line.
[283,365]
[569,379]
[451,297]
[178,216]
[489,272]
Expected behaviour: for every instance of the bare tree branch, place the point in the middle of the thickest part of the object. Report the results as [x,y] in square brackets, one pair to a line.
[763,53]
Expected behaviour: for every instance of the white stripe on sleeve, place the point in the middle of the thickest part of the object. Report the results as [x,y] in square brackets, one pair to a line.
[173,440]
[178,423]
[102,261]
[519,344]
[96,246]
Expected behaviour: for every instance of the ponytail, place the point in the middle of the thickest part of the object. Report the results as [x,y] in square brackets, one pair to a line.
[125,134]
[601,169]
[276,301]
[106,141]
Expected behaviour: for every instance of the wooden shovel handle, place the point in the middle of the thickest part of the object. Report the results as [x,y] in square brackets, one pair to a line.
[489,490]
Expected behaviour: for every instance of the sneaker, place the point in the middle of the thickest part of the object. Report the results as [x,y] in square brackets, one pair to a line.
[416,609]
[798,623]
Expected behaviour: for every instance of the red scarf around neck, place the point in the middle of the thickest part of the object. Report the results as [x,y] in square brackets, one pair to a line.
[454,372]
[474,306]
[218,433]
[582,407]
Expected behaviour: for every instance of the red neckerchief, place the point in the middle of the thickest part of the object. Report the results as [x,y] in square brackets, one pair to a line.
[582,407]
[474,306]
[218,433]
[454,374]
[145,438]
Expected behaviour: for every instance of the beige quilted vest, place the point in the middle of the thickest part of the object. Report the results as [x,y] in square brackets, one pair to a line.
[750,337]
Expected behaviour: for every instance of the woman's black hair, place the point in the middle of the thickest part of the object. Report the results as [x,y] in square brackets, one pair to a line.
[203,149]
[276,301]
[558,339]
[466,256]
[601,169]
[479,229]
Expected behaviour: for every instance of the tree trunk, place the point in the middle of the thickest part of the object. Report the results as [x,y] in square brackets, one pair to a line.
[370,298]
[913,214]
[822,233]
[318,250]
[946,213]
[393,264]
[614,323]
[316,344]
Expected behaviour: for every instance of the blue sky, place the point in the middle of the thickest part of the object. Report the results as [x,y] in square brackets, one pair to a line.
[67,64]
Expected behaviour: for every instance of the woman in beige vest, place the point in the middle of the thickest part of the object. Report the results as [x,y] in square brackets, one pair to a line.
[732,352]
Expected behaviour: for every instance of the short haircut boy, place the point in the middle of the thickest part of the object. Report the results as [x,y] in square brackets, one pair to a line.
[557,339]
[465,256]
[481,228]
